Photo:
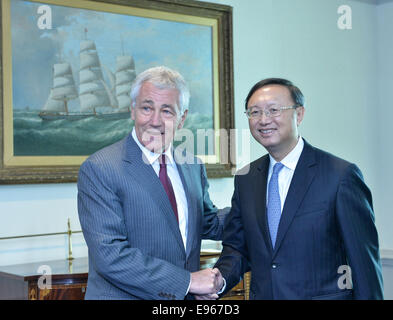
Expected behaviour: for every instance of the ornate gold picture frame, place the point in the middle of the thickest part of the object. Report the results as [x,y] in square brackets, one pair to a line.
[54,54]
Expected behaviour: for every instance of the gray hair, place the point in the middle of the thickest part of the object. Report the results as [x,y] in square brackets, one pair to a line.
[163,78]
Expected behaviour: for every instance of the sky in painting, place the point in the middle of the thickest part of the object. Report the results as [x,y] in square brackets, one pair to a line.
[182,46]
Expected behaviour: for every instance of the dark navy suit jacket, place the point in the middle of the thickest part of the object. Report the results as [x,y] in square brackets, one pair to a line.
[327,224]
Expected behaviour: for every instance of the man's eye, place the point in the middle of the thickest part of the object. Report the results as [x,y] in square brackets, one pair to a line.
[167,112]
[273,110]
[254,112]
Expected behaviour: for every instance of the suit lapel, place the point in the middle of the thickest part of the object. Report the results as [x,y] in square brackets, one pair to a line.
[301,181]
[144,175]
[259,187]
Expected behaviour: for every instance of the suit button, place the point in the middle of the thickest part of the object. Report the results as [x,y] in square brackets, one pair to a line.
[274,266]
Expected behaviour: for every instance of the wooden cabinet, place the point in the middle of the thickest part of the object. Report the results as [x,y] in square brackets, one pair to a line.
[30,281]
[68,280]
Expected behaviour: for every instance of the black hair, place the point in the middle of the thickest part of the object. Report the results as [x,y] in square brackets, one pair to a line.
[296,94]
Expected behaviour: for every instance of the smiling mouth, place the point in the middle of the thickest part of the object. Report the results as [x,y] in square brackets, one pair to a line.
[265,132]
[152,136]
[155,133]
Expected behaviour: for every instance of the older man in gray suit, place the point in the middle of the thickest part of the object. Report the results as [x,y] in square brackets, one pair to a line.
[143,212]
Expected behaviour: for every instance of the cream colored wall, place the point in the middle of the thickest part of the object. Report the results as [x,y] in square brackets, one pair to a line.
[344,74]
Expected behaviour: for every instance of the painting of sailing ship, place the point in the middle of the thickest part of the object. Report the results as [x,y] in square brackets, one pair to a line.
[72,96]
[94,93]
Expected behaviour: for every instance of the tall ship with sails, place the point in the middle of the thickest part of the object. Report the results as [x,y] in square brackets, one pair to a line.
[96,98]
[56,106]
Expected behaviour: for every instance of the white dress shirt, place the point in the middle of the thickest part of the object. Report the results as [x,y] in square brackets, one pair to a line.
[286,173]
[173,174]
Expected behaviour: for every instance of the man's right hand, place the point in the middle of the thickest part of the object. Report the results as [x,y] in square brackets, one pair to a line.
[206,282]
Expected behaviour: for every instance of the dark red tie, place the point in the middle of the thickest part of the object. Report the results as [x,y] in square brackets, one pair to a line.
[166,182]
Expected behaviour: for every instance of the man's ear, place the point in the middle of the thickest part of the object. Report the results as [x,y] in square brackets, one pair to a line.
[300,114]
[133,112]
[183,118]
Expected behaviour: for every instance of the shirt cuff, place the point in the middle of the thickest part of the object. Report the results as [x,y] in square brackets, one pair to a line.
[189,285]
[224,285]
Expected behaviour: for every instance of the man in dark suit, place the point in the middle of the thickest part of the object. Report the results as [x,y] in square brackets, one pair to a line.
[302,219]
[144,207]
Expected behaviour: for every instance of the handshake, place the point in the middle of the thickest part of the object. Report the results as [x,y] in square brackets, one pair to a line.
[206,283]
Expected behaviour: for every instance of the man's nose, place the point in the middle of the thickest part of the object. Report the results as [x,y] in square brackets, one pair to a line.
[264,119]
[156,118]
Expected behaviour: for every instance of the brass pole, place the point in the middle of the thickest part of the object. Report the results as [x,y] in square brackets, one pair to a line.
[38,235]
[69,233]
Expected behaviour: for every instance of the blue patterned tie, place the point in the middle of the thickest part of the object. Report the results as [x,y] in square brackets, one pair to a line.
[274,203]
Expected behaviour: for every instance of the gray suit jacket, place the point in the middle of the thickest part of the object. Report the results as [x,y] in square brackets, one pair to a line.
[134,242]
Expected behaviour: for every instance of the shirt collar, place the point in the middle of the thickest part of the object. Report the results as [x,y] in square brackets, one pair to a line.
[292,158]
[152,156]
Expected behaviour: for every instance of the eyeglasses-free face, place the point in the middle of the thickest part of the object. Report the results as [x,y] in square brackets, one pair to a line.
[157,116]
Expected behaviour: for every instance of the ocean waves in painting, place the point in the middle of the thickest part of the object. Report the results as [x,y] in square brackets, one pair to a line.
[36,137]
